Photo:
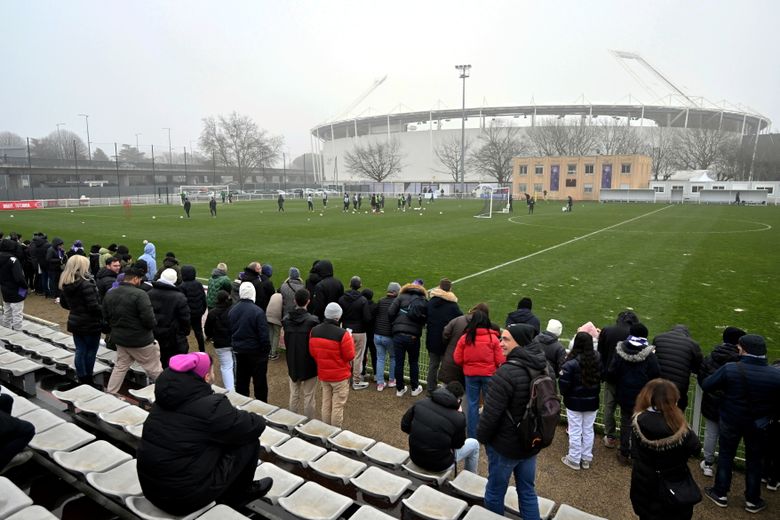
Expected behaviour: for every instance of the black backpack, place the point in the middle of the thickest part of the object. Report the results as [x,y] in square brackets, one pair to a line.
[542,413]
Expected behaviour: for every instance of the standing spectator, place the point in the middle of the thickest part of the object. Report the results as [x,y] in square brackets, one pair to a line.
[196,447]
[442,309]
[38,249]
[333,350]
[15,435]
[679,356]
[130,316]
[169,262]
[523,314]
[479,353]
[94,260]
[107,276]
[251,274]
[288,289]
[661,444]
[726,352]
[751,390]
[187,206]
[368,294]
[451,371]
[508,394]
[150,257]
[327,289]
[383,338]
[213,205]
[219,281]
[172,313]
[580,382]
[218,331]
[196,299]
[408,313]
[301,367]
[437,431]
[553,350]
[250,342]
[632,366]
[266,287]
[354,317]
[106,253]
[273,316]
[609,337]
[79,295]
[76,249]
[55,260]
[13,285]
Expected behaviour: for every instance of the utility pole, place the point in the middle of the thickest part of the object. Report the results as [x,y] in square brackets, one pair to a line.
[170,148]
[89,144]
[59,140]
[464,73]
[136,141]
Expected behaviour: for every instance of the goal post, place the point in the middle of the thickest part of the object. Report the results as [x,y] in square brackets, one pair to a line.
[495,200]
[203,192]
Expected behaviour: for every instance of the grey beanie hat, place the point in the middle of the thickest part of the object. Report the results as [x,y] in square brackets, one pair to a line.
[394,287]
[333,311]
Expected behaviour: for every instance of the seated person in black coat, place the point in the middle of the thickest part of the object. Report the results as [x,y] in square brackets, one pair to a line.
[196,447]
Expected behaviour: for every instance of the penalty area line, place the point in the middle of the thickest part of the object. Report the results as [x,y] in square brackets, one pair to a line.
[556,246]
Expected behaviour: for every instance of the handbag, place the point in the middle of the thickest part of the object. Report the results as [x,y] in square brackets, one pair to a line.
[676,487]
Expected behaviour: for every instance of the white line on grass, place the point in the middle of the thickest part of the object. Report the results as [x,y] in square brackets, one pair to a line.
[556,246]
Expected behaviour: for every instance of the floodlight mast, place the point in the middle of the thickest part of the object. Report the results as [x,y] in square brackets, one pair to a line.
[622,56]
[464,73]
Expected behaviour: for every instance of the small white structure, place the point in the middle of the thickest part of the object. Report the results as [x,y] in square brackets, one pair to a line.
[700,186]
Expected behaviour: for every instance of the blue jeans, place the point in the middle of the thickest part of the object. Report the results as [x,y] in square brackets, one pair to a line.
[384,345]
[728,441]
[470,453]
[403,344]
[500,468]
[86,351]
[475,386]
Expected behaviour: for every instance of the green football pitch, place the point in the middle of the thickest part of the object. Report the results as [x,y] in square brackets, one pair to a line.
[705,266]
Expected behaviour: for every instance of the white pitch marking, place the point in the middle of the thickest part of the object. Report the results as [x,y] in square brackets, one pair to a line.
[556,246]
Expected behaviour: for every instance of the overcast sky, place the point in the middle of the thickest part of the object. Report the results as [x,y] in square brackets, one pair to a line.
[136,67]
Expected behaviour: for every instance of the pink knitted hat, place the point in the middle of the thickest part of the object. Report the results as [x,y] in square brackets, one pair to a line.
[197,362]
[591,329]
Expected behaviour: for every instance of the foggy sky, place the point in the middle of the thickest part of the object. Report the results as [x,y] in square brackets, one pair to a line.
[136,67]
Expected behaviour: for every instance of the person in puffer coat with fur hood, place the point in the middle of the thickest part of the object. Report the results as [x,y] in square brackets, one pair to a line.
[408,313]
[442,308]
[196,299]
[632,366]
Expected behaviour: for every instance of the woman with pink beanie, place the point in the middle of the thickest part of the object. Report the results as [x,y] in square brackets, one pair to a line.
[196,447]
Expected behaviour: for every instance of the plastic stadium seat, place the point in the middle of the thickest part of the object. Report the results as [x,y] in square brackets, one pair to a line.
[337,466]
[136,430]
[58,355]
[434,505]
[127,416]
[352,442]
[428,476]
[259,407]
[146,510]
[272,437]
[222,512]
[218,389]
[316,429]
[43,420]
[237,399]
[472,485]
[121,481]
[546,505]
[32,513]
[567,512]
[299,451]
[387,455]
[12,499]
[143,394]
[21,406]
[480,513]
[380,483]
[285,418]
[369,513]
[106,403]
[65,437]
[79,393]
[19,367]
[314,502]
[284,481]
[96,457]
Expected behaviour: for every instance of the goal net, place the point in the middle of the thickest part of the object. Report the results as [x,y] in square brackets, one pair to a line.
[203,192]
[494,200]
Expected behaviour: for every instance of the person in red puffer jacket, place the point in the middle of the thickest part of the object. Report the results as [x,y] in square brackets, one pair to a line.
[479,353]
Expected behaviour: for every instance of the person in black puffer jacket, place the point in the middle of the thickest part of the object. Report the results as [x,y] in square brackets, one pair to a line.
[679,356]
[196,447]
[408,312]
[85,321]
[55,260]
[509,390]
[251,342]
[661,442]
[523,314]
[368,294]
[172,314]
[13,284]
[383,337]
[633,365]
[196,299]
[580,383]
[437,431]
[38,249]
[442,308]
[266,288]
[553,350]
[107,276]
[218,331]
[328,289]
[301,366]
[724,353]
[356,314]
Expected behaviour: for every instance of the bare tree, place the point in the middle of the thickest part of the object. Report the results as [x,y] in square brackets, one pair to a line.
[238,142]
[496,147]
[449,154]
[11,139]
[699,148]
[59,145]
[376,161]
[614,139]
[554,136]
[662,152]
[100,155]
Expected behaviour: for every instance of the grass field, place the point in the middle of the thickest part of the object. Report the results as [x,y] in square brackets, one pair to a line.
[705,266]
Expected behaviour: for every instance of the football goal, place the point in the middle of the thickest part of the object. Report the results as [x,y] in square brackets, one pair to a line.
[203,192]
[495,200]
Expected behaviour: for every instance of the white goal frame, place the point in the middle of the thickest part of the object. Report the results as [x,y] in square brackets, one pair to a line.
[495,200]
[203,192]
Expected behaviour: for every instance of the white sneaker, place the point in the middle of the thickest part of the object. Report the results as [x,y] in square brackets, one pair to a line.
[585,464]
[569,463]
[400,393]
[391,383]
[417,391]
[380,387]
[360,386]
[706,469]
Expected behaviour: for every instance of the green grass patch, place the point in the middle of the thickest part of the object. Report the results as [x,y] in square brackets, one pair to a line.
[705,266]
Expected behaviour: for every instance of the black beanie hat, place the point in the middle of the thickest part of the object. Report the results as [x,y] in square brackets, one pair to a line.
[753,344]
[731,335]
[638,330]
[522,333]
[525,303]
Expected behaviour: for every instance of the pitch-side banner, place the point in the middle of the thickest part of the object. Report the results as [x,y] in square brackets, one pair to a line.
[555,175]
[606,176]
[21,204]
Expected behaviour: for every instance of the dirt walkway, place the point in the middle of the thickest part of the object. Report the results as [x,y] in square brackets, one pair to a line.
[603,490]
